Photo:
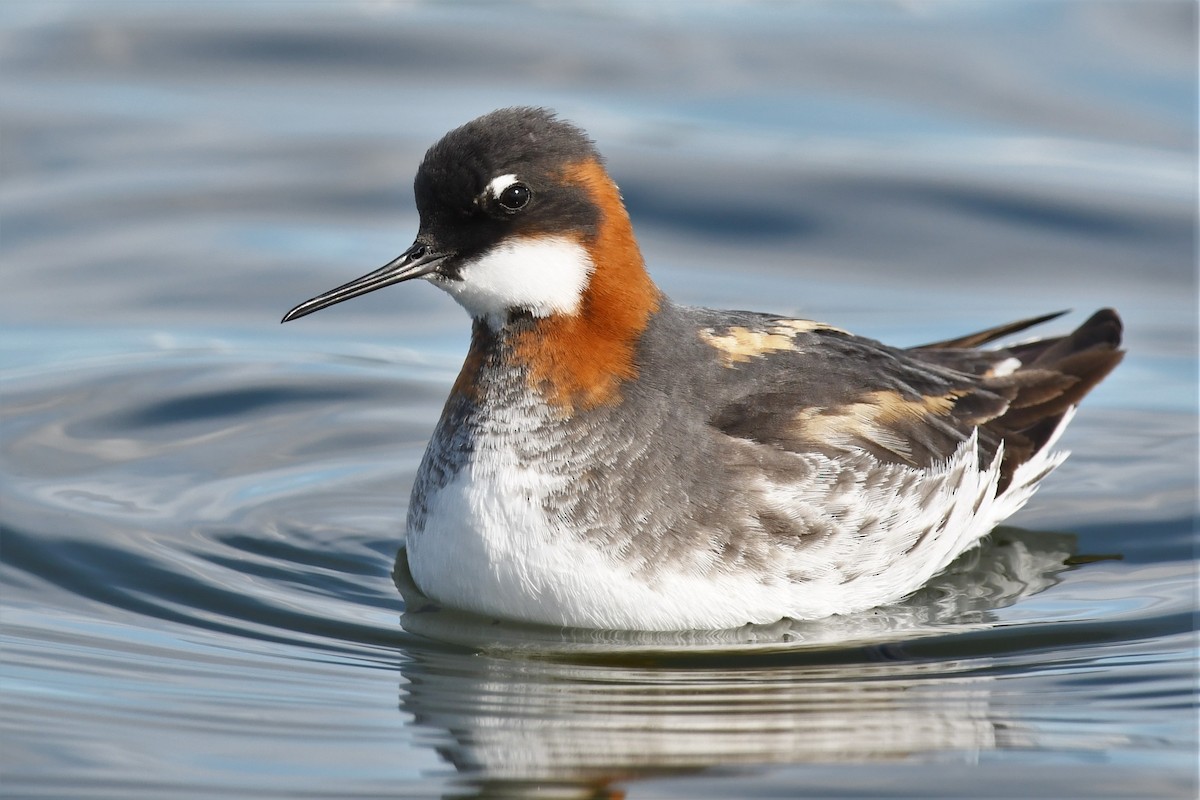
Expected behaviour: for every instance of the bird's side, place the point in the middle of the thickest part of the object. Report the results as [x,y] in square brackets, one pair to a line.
[610,459]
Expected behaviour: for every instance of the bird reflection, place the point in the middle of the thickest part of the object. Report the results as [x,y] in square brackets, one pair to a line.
[521,710]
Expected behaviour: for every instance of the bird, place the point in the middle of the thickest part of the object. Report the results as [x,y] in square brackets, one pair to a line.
[610,459]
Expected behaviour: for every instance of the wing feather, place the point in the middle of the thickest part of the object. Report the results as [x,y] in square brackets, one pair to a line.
[809,387]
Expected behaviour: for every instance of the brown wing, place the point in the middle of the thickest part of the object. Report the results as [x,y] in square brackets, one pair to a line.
[833,392]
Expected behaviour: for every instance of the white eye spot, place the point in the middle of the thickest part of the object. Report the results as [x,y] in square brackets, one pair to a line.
[499,184]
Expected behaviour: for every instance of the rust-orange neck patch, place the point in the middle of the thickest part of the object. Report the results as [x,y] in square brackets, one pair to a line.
[578,361]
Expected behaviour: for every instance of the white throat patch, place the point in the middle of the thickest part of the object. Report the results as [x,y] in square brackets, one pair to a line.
[544,275]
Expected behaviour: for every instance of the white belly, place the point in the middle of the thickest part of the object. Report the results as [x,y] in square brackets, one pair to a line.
[486,544]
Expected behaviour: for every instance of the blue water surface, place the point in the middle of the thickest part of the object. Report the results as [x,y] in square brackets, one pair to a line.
[200,508]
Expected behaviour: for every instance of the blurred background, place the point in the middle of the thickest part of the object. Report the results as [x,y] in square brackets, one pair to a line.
[906,167]
[200,506]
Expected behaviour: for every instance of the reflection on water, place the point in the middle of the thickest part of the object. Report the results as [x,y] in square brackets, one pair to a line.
[200,510]
[509,725]
[581,710]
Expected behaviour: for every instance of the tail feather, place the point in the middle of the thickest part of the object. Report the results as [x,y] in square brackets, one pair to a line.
[1076,362]
[1056,374]
[1039,381]
[990,335]
[1100,333]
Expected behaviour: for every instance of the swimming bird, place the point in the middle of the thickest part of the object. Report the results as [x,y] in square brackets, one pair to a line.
[610,459]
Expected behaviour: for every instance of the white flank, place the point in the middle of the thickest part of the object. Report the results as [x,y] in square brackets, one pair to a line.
[487,545]
[542,275]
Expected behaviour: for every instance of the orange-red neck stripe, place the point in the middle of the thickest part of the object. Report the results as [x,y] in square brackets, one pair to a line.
[579,361]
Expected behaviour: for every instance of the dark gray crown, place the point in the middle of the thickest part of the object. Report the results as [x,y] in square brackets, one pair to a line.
[459,219]
[521,140]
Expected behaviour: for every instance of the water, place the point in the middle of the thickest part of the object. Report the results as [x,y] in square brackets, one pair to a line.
[201,508]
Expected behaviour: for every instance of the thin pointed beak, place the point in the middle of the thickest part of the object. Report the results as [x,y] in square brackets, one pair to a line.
[415,262]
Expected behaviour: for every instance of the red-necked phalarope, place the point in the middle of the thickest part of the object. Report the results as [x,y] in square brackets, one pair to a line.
[609,459]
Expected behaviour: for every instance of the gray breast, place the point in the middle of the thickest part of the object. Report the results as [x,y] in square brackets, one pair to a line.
[647,480]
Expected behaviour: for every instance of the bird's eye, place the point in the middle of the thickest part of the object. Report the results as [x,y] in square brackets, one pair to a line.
[514,197]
